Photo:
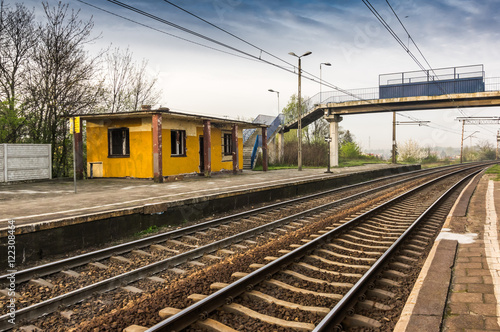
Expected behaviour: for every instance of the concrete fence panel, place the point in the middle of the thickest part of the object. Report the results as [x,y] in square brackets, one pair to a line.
[21,162]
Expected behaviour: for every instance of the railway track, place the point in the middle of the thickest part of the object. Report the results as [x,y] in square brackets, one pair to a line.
[354,268]
[103,270]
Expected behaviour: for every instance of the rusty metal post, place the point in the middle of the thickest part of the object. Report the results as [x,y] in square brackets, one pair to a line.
[207,150]
[236,160]
[264,149]
[157,148]
[79,151]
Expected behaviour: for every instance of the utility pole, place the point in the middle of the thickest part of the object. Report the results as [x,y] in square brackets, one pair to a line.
[299,107]
[462,143]
[394,124]
[328,139]
[393,137]
[498,141]
[477,120]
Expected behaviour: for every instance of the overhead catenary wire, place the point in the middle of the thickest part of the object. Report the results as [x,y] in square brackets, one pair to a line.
[423,56]
[391,31]
[307,75]
[194,33]
[163,32]
[242,54]
[227,32]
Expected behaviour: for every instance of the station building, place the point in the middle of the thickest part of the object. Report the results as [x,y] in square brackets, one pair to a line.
[160,144]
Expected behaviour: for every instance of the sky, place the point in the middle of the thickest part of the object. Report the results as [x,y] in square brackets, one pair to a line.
[345,33]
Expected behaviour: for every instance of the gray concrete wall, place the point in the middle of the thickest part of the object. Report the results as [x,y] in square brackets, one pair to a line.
[22,162]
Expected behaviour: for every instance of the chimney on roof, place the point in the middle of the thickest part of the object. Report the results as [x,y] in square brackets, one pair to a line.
[145,107]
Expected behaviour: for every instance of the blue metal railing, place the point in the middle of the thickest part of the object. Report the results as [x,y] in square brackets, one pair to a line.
[247,133]
[258,142]
[275,124]
[270,131]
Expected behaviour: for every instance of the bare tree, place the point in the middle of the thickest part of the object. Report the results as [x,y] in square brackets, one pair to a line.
[410,151]
[143,87]
[62,81]
[18,36]
[119,73]
[127,84]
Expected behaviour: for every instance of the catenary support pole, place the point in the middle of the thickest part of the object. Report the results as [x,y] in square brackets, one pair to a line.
[394,145]
[462,143]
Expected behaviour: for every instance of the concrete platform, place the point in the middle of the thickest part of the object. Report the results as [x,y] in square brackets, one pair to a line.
[459,286]
[35,202]
[106,210]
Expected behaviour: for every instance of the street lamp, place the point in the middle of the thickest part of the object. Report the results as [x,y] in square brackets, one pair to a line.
[271,90]
[321,80]
[328,139]
[299,107]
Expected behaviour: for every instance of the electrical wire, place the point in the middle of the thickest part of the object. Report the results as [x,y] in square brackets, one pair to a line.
[391,31]
[245,55]
[227,32]
[425,59]
[199,35]
[163,32]
[308,76]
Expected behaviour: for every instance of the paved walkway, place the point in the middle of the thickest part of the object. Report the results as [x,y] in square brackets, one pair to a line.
[459,286]
[44,201]
[473,303]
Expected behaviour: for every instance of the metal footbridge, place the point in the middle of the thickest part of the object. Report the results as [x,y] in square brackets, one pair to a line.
[445,88]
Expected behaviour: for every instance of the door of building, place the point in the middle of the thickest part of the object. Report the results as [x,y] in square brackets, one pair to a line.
[202,159]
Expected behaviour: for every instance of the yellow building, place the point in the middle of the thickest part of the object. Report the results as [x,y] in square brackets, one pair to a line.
[159,143]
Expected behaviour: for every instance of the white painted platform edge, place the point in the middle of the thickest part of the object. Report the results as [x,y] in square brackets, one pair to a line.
[491,243]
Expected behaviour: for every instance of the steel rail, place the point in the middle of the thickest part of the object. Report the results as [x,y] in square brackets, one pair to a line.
[77,295]
[72,262]
[338,313]
[202,308]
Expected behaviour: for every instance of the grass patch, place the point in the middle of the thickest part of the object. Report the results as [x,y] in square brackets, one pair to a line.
[342,163]
[495,170]
[439,163]
[149,230]
[276,167]
[359,162]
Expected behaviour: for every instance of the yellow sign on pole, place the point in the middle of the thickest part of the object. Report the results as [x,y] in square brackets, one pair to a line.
[77,125]
[71,126]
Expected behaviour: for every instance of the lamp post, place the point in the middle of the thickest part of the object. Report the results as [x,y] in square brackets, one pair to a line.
[328,139]
[299,107]
[321,80]
[278,93]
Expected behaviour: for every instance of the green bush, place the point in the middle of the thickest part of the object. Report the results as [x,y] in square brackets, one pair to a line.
[350,150]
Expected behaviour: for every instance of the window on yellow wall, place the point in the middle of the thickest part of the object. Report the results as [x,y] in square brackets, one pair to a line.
[178,142]
[118,142]
[227,142]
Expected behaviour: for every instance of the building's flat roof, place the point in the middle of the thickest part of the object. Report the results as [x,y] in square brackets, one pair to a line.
[165,112]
